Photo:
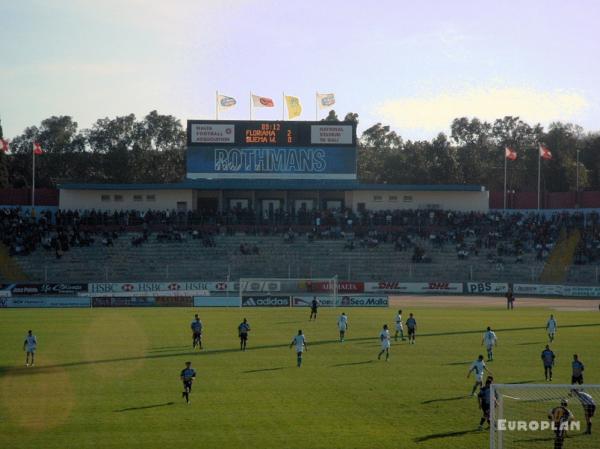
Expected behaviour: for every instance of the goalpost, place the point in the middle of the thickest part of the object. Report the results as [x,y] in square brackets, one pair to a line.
[299,292]
[520,418]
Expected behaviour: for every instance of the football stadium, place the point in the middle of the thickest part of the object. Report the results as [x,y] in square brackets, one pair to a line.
[250,272]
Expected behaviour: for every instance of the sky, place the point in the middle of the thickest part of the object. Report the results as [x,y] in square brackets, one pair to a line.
[411,65]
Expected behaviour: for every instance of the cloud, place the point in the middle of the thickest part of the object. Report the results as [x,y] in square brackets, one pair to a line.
[436,112]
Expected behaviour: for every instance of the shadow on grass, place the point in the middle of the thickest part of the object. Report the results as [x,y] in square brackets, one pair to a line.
[435,436]
[366,362]
[531,343]
[459,363]
[454,398]
[40,369]
[551,438]
[143,407]
[262,370]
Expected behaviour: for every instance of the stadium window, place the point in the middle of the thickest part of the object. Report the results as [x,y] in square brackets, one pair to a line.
[392,198]
[150,197]
[118,198]
[138,198]
[407,199]
[361,207]
[377,198]
[105,198]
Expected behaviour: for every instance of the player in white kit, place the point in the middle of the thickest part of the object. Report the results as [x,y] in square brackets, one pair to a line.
[300,342]
[30,345]
[343,325]
[478,366]
[399,326]
[551,328]
[490,340]
[384,337]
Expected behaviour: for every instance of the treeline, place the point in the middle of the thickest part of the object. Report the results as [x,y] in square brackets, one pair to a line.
[127,150]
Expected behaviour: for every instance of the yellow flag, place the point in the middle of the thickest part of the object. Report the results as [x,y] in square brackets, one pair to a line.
[293,106]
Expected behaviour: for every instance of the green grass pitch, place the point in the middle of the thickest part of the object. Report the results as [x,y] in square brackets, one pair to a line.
[109,378]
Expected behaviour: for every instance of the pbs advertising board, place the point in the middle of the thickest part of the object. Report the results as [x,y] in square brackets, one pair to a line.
[271,149]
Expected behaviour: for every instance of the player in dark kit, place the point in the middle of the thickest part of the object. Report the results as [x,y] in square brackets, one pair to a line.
[548,359]
[485,401]
[577,374]
[510,300]
[411,325]
[243,330]
[560,417]
[188,375]
[314,305]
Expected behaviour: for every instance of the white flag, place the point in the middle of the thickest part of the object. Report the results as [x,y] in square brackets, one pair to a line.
[325,100]
[225,102]
[262,102]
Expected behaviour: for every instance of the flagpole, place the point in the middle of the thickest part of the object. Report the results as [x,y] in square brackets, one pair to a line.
[505,163]
[32,180]
[217,105]
[250,105]
[282,105]
[316,106]
[539,173]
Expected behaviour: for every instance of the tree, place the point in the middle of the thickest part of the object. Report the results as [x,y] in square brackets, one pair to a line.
[4,181]
[331,117]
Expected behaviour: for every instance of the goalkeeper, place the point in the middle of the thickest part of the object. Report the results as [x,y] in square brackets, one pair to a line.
[560,417]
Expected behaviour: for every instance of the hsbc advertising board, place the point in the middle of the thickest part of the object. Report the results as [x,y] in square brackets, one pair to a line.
[396,287]
[265,301]
[120,287]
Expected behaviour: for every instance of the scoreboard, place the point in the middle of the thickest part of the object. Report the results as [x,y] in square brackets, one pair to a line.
[271,133]
[271,149]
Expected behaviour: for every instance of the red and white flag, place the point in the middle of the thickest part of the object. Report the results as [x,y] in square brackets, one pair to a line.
[4,145]
[262,102]
[510,153]
[37,149]
[545,152]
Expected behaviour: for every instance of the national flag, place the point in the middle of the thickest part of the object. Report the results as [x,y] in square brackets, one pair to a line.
[510,153]
[545,152]
[37,149]
[4,145]
[262,102]
[325,100]
[293,106]
[225,102]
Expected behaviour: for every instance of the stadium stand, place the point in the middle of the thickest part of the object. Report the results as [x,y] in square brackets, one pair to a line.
[419,245]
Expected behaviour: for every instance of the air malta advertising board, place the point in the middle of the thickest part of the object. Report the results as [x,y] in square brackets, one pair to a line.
[342,287]
[396,287]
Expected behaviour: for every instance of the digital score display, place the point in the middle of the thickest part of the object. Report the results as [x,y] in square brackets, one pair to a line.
[270,133]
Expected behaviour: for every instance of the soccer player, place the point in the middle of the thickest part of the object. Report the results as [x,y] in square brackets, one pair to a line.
[30,345]
[384,337]
[485,401]
[490,340]
[188,375]
[300,342]
[560,417]
[548,359]
[399,327]
[243,330]
[588,404]
[478,366]
[577,374]
[343,325]
[314,305]
[411,325]
[196,327]
[551,328]
[510,300]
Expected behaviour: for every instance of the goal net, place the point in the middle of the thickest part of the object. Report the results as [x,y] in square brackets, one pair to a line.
[299,292]
[542,416]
